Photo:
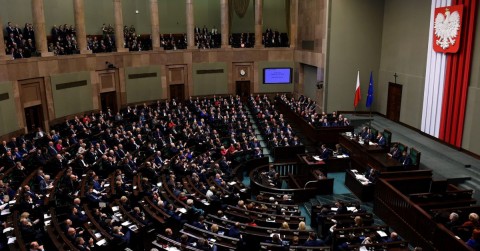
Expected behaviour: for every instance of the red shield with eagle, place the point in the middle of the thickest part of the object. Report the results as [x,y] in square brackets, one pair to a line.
[447,28]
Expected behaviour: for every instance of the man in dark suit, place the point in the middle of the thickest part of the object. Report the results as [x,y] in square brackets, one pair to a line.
[51,149]
[395,152]
[4,148]
[313,241]
[39,159]
[405,159]
[381,140]
[325,154]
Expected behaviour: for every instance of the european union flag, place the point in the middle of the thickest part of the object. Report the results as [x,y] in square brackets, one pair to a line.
[370,91]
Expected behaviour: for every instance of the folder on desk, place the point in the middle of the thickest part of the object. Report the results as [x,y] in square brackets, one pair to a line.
[7,229]
[101,242]
[381,233]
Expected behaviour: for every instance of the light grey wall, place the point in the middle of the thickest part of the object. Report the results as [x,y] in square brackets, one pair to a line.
[355,41]
[404,51]
[471,137]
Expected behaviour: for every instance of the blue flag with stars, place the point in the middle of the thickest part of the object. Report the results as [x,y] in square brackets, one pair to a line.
[370,91]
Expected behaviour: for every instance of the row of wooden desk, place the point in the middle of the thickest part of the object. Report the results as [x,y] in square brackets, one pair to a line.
[363,156]
[324,135]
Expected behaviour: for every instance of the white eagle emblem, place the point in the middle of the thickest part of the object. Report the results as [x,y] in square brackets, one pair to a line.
[446,28]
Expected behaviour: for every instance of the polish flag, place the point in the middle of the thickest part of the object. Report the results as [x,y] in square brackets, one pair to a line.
[357,91]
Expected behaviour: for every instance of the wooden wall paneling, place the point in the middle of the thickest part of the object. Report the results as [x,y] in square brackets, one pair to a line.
[177,74]
[164,79]
[122,92]
[109,81]
[49,98]
[247,67]
[33,92]
[18,106]
[95,81]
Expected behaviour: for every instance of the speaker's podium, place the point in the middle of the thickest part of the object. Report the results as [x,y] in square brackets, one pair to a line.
[331,165]
[311,174]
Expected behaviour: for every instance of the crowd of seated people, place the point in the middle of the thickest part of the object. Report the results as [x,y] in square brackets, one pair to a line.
[272,124]
[306,108]
[19,43]
[106,43]
[63,40]
[467,229]
[206,39]
[346,223]
[133,41]
[178,156]
[110,149]
[274,39]
[173,42]
[242,40]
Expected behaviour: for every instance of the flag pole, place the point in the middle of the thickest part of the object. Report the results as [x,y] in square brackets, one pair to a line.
[370,121]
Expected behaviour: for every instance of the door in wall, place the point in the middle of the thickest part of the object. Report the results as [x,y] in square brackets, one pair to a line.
[394,103]
[177,92]
[242,88]
[109,101]
[33,117]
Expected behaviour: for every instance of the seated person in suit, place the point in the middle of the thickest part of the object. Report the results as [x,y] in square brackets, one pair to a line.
[35,246]
[341,207]
[405,159]
[82,245]
[119,236]
[339,150]
[395,152]
[368,136]
[393,237]
[258,153]
[275,239]
[381,140]
[474,241]
[234,231]
[453,222]
[372,175]
[313,241]
[364,133]
[371,239]
[277,181]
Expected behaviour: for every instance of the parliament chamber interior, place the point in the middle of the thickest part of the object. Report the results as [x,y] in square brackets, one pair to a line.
[239,125]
